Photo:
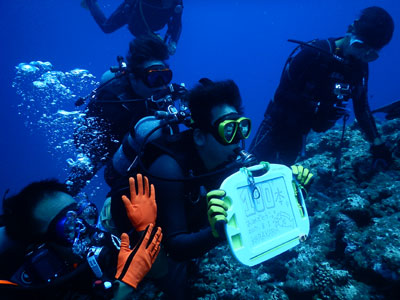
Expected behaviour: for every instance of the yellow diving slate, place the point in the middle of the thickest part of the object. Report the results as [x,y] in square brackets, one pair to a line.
[264,216]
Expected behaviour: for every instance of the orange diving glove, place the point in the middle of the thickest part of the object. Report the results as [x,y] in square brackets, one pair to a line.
[134,264]
[141,208]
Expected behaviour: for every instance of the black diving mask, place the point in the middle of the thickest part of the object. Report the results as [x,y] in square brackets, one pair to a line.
[156,76]
[74,225]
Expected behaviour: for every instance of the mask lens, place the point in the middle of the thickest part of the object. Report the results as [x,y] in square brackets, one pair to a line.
[70,226]
[229,131]
[245,127]
[358,45]
[157,78]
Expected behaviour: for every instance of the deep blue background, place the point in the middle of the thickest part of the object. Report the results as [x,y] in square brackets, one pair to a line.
[244,40]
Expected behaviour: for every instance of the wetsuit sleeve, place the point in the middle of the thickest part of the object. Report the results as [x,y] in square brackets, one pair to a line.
[362,111]
[117,19]
[175,26]
[178,241]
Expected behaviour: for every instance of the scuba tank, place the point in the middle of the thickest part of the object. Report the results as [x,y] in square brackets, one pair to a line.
[146,130]
[126,156]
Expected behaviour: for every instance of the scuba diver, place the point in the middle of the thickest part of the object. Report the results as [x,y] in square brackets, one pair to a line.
[187,168]
[143,17]
[67,256]
[132,91]
[318,80]
[182,206]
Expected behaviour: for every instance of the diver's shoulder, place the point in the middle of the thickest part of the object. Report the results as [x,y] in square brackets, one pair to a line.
[178,146]
[115,87]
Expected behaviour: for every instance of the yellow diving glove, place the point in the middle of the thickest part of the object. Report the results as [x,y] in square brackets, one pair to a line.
[217,212]
[303,177]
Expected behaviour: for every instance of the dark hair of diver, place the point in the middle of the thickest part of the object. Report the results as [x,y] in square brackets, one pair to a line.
[208,94]
[18,208]
[145,48]
[374,27]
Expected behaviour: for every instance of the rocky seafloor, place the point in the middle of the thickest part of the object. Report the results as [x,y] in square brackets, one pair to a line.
[353,249]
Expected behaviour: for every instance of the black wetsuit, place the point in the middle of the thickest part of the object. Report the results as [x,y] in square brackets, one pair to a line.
[181,205]
[306,99]
[141,16]
[71,283]
[108,118]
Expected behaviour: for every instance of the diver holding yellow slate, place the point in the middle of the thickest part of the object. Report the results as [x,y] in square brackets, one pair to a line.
[262,209]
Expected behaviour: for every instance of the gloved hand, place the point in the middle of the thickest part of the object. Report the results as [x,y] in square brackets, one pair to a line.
[303,175]
[141,208]
[217,211]
[134,264]
[381,153]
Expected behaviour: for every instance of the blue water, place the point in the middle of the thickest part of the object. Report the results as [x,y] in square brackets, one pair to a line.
[243,40]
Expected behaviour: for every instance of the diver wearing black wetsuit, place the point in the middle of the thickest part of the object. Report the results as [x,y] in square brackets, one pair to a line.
[181,205]
[142,17]
[116,106]
[313,92]
[316,84]
[184,167]
[103,128]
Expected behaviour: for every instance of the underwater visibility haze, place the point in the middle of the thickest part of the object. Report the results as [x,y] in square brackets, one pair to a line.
[53,53]
[242,40]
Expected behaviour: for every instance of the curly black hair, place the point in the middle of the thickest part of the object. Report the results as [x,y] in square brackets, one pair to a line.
[18,208]
[207,95]
[145,48]
[375,27]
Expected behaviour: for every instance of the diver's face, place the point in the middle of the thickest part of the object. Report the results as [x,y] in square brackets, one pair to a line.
[140,83]
[360,50]
[48,208]
[215,152]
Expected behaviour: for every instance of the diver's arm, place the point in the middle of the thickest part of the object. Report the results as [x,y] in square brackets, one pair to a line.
[175,26]
[185,246]
[363,113]
[179,243]
[115,21]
